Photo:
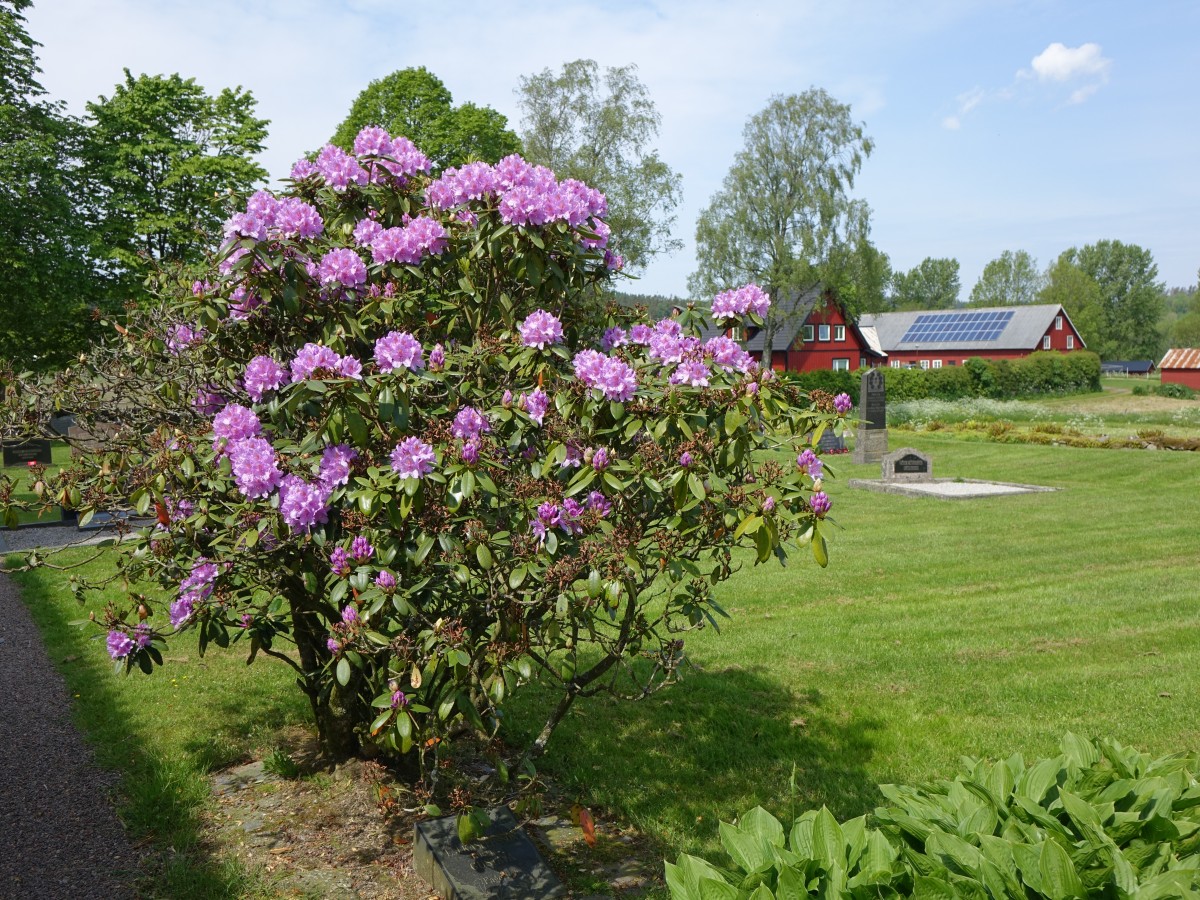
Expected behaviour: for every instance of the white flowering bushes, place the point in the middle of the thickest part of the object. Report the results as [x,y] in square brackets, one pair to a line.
[430,460]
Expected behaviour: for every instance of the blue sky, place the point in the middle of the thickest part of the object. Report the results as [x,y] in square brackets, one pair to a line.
[1020,125]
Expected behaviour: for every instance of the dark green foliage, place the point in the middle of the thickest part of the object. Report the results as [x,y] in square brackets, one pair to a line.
[998,379]
[166,162]
[1123,310]
[1099,820]
[416,104]
[934,284]
[1170,389]
[46,278]
[826,380]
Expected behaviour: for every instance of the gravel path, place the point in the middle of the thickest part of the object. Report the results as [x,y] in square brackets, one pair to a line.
[59,836]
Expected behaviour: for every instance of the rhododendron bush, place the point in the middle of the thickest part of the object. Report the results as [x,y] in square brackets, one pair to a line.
[396,441]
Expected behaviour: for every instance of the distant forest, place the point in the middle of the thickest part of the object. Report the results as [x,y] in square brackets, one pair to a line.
[658,306]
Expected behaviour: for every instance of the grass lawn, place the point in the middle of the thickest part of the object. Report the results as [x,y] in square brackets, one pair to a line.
[61,456]
[164,732]
[977,627]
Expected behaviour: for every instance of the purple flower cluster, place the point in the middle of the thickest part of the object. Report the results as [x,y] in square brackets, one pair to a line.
[314,358]
[727,354]
[810,463]
[842,403]
[399,350]
[407,245]
[412,458]
[541,329]
[381,153]
[692,373]
[254,468]
[469,423]
[366,231]
[242,303]
[361,549]
[180,336]
[194,589]
[263,374]
[385,581]
[437,357]
[749,298]
[339,561]
[567,516]
[528,195]
[269,217]
[819,503]
[301,504]
[342,267]
[600,459]
[339,168]
[608,374]
[335,464]
[234,423]
[296,219]
[349,615]
[613,337]
[120,644]
[685,459]
[536,404]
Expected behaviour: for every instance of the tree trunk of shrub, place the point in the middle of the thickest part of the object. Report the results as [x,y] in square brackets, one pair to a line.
[336,710]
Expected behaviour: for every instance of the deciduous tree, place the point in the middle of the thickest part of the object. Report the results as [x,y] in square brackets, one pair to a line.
[166,160]
[1131,298]
[599,128]
[934,284]
[416,104]
[784,216]
[47,281]
[1012,279]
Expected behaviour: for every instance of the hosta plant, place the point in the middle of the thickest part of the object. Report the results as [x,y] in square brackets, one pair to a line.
[1099,820]
[395,439]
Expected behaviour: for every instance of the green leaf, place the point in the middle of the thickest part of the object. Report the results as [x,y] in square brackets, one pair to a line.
[747,850]
[713,889]
[343,671]
[927,888]
[1081,751]
[829,843]
[517,576]
[748,525]
[762,825]
[1060,881]
[819,549]
[696,486]
[484,556]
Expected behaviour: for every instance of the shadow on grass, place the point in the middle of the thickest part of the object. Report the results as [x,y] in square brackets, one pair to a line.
[709,748]
[163,784]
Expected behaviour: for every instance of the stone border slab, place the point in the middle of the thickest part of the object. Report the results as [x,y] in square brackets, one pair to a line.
[502,865]
[950,488]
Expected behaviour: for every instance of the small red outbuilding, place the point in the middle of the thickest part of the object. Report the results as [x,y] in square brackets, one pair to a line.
[1181,367]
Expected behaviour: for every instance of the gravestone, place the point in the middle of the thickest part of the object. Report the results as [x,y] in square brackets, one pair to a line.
[907,466]
[831,443]
[871,440]
[504,864]
[22,454]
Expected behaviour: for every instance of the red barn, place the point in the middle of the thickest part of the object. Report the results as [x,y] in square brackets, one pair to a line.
[1181,367]
[936,338]
[826,338]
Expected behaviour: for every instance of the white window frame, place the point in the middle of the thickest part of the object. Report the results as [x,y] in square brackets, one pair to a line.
[822,332]
[1046,342]
[937,363]
[1058,323]
[862,362]
[895,363]
[839,332]
[845,364]
[924,364]
[808,334]
[1070,342]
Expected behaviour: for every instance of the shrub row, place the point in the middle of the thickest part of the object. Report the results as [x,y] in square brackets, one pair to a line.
[997,379]
[1099,820]
[1170,389]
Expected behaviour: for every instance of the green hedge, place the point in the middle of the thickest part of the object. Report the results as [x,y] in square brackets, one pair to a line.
[997,379]
[1098,821]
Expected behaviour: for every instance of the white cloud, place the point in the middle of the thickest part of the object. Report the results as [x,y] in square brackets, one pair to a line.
[1059,62]
[966,103]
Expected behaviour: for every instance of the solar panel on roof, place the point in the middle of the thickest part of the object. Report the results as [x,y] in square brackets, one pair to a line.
[935,328]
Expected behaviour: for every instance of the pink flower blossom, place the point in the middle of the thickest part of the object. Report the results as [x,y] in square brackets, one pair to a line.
[749,298]
[536,404]
[301,504]
[335,464]
[541,329]
[399,350]
[263,374]
[254,468]
[342,267]
[119,644]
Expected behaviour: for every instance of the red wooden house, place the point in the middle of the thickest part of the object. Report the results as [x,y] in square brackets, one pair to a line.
[936,338]
[1181,367]
[825,338]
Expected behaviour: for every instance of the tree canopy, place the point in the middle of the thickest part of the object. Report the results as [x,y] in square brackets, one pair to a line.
[1126,307]
[784,216]
[416,104]
[599,128]
[1012,279]
[46,276]
[165,161]
[934,284]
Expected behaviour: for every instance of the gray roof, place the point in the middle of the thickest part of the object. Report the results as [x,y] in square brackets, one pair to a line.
[1023,332]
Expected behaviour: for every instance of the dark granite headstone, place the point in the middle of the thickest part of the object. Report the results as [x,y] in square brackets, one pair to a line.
[871,441]
[22,454]
[502,865]
[907,465]
[831,443]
